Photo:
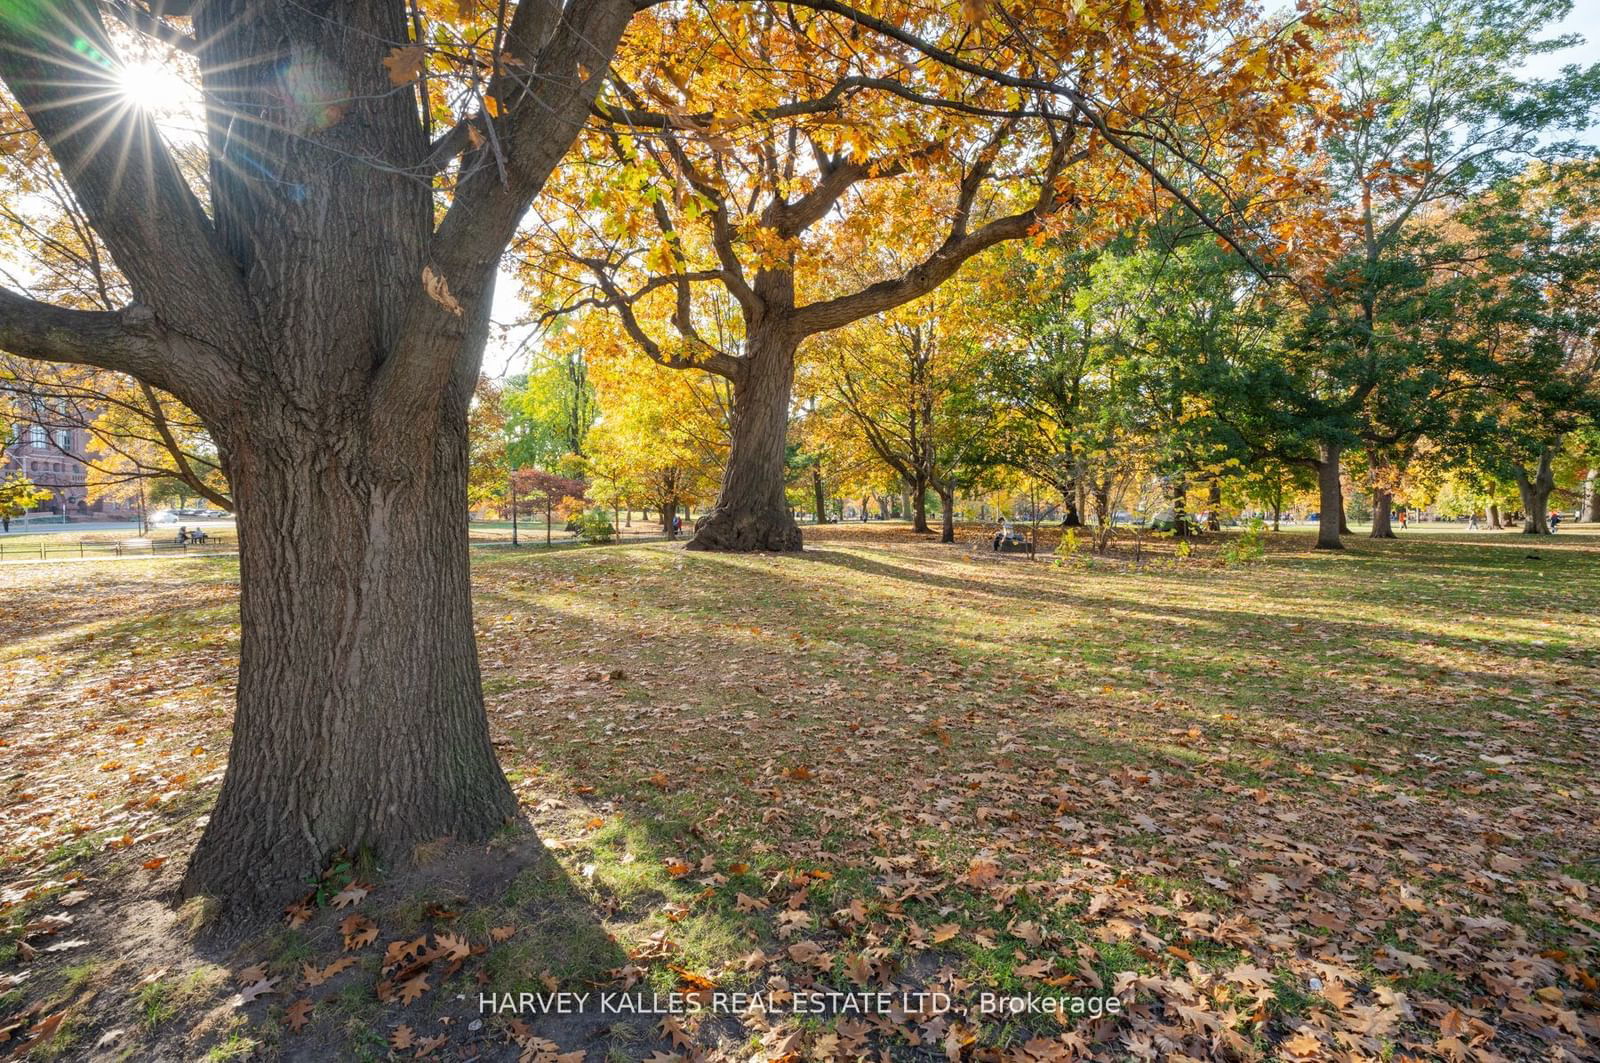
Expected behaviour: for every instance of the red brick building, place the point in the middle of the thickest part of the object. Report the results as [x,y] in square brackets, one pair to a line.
[55,458]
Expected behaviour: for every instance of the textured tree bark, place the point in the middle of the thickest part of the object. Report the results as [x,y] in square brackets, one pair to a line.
[1589,511]
[821,499]
[1331,499]
[919,506]
[1180,507]
[669,510]
[1535,492]
[1494,516]
[947,509]
[327,325]
[1382,515]
[751,511]
[360,722]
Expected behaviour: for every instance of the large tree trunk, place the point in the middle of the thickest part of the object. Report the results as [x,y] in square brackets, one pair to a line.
[360,722]
[326,322]
[1102,503]
[1330,499]
[947,509]
[1382,514]
[1535,492]
[751,511]
[919,505]
[1180,507]
[669,510]
[822,499]
[1589,513]
[1494,516]
[1071,518]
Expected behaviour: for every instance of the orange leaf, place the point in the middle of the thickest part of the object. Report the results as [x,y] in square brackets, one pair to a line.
[405,64]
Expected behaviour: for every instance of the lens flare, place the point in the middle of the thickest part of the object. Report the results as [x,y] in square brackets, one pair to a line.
[158,90]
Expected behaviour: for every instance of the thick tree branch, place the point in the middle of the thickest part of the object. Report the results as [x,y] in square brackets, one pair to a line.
[60,66]
[703,356]
[125,341]
[959,246]
[553,59]
[638,117]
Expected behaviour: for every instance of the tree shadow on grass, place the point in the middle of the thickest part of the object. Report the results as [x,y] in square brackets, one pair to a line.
[146,979]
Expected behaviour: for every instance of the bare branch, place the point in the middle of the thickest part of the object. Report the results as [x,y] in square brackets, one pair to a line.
[138,18]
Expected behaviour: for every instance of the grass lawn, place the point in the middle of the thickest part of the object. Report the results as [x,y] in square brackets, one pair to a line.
[1310,807]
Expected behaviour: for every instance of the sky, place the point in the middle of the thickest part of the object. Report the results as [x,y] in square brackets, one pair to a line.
[1584,19]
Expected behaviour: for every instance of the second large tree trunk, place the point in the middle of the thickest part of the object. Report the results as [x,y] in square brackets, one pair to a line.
[751,511]
[1535,491]
[360,723]
[1330,498]
[947,508]
[919,506]
[1382,514]
[1070,518]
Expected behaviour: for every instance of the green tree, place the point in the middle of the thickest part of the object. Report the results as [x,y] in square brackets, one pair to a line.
[1433,111]
[550,410]
[18,495]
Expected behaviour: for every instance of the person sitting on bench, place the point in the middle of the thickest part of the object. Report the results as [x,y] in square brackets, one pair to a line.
[1003,534]
[183,535]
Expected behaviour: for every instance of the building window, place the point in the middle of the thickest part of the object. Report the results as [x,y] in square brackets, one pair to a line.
[64,439]
[36,436]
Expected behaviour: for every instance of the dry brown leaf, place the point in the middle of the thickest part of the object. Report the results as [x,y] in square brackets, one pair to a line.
[298,1015]
[439,291]
[405,64]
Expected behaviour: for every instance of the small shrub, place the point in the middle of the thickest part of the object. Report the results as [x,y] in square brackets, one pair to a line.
[595,527]
[1185,548]
[1249,546]
[1069,544]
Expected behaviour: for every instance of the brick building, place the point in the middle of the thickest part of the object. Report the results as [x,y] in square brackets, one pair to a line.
[55,458]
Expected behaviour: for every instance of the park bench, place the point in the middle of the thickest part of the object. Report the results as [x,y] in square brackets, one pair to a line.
[1015,543]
